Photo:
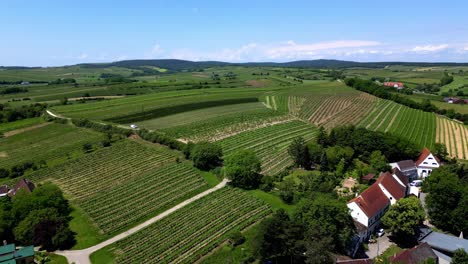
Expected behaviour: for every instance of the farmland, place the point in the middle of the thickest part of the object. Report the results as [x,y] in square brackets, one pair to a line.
[454,135]
[54,143]
[270,143]
[189,233]
[126,183]
[415,125]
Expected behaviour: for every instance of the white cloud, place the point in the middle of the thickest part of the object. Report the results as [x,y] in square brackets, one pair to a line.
[120,58]
[466,48]
[430,48]
[82,56]
[155,52]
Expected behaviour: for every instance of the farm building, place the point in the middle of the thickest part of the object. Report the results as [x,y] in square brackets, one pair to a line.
[415,255]
[455,100]
[371,205]
[23,184]
[426,163]
[4,190]
[9,254]
[397,85]
[420,168]
[442,244]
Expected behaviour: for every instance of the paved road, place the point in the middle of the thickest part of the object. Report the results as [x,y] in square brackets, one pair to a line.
[375,249]
[82,256]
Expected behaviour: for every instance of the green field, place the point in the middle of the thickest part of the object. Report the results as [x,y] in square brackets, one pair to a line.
[415,125]
[6,127]
[125,183]
[190,232]
[54,143]
[270,143]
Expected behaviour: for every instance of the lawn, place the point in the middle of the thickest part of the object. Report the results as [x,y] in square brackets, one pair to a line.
[5,127]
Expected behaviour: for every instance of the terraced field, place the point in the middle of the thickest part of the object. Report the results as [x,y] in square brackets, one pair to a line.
[270,143]
[190,232]
[53,143]
[454,135]
[124,184]
[415,125]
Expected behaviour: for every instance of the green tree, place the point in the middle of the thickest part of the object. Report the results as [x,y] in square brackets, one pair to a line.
[459,257]
[322,137]
[440,151]
[315,152]
[378,162]
[45,228]
[299,153]
[336,154]
[326,217]
[404,217]
[243,169]
[324,162]
[206,155]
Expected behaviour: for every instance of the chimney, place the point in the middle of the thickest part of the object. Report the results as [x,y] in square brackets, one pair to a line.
[5,242]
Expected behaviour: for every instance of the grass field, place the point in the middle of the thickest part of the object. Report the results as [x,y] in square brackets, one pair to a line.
[6,127]
[125,183]
[189,233]
[54,143]
[458,84]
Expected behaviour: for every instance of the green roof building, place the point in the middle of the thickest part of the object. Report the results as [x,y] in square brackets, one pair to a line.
[10,255]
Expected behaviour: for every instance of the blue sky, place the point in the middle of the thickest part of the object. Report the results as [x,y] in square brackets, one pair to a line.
[49,33]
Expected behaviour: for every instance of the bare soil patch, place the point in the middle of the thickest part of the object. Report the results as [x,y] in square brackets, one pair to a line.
[202,75]
[21,130]
[257,83]
[3,154]
[96,97]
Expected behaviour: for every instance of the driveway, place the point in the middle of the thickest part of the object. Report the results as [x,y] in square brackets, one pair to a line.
[382,244]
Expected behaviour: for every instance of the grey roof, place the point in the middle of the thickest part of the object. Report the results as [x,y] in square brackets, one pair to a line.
[445,242]
[443,259]
[406,165]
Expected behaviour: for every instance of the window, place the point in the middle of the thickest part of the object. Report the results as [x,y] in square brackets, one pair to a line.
[433,163]
[424,162]
[430,158]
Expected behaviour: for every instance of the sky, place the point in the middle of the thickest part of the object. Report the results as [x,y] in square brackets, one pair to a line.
[66,32]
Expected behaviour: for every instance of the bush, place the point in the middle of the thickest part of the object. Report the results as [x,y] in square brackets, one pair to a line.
[206,155]
[236,238]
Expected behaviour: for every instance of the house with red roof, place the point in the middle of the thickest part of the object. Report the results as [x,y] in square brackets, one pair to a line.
[426,163]
[371,204]
[415,255]
[397,85]
[23,184]
[4,190]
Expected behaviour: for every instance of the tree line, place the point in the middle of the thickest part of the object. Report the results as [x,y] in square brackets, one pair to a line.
[373,88]
[10,114]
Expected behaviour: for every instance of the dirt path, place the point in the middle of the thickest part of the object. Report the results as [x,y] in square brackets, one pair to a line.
[21,130]
[82,256]
[56,115]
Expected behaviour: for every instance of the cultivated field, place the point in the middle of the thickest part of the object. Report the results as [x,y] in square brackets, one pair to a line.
[190,232]
[415,125]
[454,135]
[54,143]
[270,143]
[124,184]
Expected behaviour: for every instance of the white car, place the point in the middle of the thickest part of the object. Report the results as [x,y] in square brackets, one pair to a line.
[381,232]
[416,183]
[133,126]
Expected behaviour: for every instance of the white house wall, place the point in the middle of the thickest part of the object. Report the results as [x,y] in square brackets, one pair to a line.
[358,214]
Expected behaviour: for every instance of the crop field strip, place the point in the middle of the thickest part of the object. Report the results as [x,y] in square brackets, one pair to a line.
[454,135]
[49,143]
[192,231]
[199,115]
[269,143]
[139,105]
[125,183]
[415,125]
[216,128]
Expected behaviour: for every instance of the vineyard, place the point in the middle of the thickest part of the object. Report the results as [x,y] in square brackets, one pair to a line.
[415,125]
[150,106]
[217,128]
[200,115]
[53,143]
[124,184]
[454,135]
[192,231]
[270,143]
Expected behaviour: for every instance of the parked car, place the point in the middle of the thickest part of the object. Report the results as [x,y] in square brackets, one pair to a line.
[416,183]
[381,232]
[133,126]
